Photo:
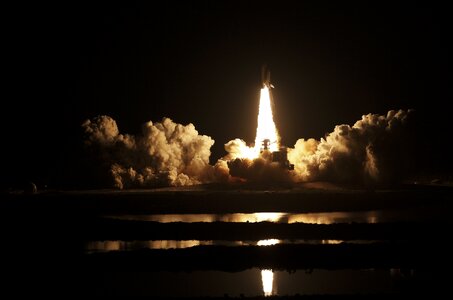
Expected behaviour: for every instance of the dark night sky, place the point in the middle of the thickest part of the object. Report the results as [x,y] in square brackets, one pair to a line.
[200,62]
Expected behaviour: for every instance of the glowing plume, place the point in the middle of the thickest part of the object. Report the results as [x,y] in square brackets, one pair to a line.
[266,127]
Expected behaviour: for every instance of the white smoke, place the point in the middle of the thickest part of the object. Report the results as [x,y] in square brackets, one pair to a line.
[374,150]
[240,168]
[166,153]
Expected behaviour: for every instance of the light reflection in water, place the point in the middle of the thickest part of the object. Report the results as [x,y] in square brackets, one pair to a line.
[334,242]
[111,245]
[267,216]
[176,244]
[267,275]
[106,246]
[335,217]
[220,284]
[268,242]
[309,218]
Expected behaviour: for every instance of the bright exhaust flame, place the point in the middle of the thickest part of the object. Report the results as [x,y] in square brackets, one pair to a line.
[266,127]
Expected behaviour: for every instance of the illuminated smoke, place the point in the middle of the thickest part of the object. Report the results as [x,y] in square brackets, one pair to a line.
[166,153]
[375,149]
[259,170]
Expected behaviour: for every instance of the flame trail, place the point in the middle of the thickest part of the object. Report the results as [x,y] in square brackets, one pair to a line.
[266,127]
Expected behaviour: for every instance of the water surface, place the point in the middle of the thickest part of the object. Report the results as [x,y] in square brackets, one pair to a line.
[256,282]
[373,216]
[118,245]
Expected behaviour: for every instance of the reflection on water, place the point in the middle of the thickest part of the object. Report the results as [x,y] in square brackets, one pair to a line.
[336,217]
[311,218]
[268,242]
[266,216]
[106,246]
[267,276]
[255,282]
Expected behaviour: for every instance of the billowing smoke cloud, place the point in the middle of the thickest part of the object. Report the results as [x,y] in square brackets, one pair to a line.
[238,167]
[376,149]
[165,154]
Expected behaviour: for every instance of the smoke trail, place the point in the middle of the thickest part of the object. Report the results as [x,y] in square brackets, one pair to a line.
[166,153]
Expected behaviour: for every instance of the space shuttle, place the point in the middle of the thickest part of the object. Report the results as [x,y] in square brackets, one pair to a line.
[266,77]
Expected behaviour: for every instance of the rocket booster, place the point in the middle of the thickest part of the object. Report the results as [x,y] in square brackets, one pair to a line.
[266,77]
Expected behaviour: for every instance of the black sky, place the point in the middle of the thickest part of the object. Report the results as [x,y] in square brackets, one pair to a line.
[200,62]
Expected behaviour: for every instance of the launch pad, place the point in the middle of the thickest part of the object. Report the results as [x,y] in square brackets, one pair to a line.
[280,156]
